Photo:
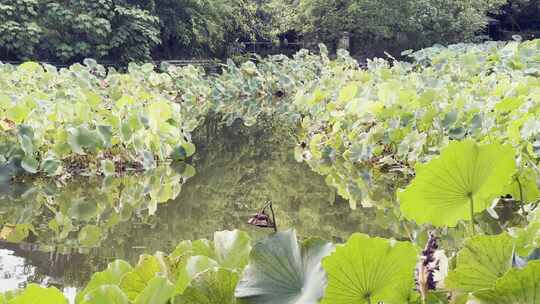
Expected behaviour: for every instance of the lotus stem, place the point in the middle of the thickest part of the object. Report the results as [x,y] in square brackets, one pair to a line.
[273,216]
[472,213]
[521,202]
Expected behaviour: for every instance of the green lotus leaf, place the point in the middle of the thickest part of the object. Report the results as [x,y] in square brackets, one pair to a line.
[110,276]
[134,282]
[27,145]
[81,138]
[528,237]
[523,187]
[30,164]
[30,67]
[105,133]
[45,295]
[209,287]
[158,291]
[370,270]
[282,272]
[465,173]
[481,262]
[189,267]
[50,166]
[106,294]
[517,286]
[232,248]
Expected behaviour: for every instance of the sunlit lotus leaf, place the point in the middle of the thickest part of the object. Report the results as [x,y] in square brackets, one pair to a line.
[232,248]
[159,290]
[110,276]
[189,267]
[106,294]
[45,295]
[442,190]
[211,286]
[370,270]
[282,272]
[517,286]
[523,187]
[482,260]
[134,282]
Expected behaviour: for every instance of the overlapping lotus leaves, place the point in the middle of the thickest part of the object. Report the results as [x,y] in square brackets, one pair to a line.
[405,113]
[528,238]
[370,270]
[110,294]
[109,277]
[442,191]
[230,250]
[215,285]
[482,260]
[138,116]
[136,283]
[517,286]
[283,272]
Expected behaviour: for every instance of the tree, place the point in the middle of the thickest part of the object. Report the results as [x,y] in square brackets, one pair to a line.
[19,32]
[400,24]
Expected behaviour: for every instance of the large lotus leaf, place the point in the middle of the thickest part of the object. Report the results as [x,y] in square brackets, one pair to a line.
[110,276]
[518,286]
[134,282]
[232,248]
[106,294]
[370,270]
[212,286]
[158,291]
[45,295]
[481,262]
[282,272]
[442,190]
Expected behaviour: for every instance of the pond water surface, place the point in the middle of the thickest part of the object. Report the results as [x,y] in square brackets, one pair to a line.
[59,234]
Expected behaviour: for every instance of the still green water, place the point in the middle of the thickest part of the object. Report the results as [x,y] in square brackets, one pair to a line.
[60,233]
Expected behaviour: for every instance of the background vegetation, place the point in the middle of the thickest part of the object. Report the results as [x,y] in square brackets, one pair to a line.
[139,30]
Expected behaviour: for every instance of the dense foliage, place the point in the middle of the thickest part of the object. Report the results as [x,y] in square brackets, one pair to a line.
[71,31]
[410,23]
[136,30]
[449,142]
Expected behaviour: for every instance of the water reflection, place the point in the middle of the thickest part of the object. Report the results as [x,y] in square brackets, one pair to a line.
[63,233]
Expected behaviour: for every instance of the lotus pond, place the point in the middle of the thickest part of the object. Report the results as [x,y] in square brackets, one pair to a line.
[66,232]
[403,182]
